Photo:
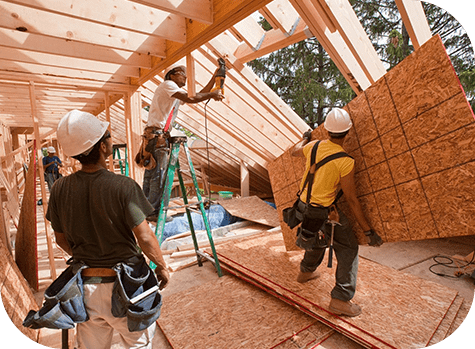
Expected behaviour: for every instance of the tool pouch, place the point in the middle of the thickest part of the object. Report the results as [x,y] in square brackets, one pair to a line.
[292,216]
[134,279]
[64,302]
[309,240]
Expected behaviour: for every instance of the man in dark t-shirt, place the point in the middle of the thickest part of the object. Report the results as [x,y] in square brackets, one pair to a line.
[51,165]
[98,217]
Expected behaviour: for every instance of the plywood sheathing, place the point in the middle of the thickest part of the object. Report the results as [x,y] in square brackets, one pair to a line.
[26,251]
[253,209]
[17,296]
[230,313]
[390,299]
[447,322]
[412,140]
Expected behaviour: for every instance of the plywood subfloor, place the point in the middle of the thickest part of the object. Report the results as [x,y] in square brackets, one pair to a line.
[399,310]
[412,141]
[230,313]
[253,209]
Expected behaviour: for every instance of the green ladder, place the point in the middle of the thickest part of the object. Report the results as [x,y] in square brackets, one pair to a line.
[174,166]
[124,169]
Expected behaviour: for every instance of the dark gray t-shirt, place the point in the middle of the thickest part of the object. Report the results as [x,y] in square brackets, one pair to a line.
[97,212]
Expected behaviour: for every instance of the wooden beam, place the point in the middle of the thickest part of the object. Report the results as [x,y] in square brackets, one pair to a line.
[190,73]
[118,14]
[226,14]
[334,45]
[249,31]
[67,48]
[281,15]
[274,40]
[244,179]
[108,119]
[415,21]
[48,60]
[344,18]
[39,156]
[15,16]
[199,10]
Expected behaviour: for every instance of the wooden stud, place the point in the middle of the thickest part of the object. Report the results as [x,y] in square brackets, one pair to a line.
[49,238]
[244,179]
[415,21]
[108,119]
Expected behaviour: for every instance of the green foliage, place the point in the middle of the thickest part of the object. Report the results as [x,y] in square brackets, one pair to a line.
[304,76]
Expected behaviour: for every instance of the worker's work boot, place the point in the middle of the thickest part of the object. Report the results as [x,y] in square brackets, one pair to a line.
[339,307]
[304,277]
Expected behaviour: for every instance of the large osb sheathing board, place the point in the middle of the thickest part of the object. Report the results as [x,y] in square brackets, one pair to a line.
[253,209]
[399,310]
[17,296]
[230,313]
[413,141]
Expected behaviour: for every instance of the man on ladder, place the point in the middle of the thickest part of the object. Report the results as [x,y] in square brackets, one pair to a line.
[153,154]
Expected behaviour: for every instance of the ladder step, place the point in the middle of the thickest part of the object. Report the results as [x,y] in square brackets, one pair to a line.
[183,206]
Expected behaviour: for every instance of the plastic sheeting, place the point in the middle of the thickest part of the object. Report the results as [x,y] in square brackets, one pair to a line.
[217,217]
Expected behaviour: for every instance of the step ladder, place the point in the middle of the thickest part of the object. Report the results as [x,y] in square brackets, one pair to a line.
[174,166]
[124,166]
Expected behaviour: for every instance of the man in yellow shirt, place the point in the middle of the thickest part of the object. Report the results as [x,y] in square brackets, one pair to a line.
[336,173]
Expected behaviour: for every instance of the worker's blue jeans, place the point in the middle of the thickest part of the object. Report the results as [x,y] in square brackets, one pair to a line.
[345,245]
[154,179]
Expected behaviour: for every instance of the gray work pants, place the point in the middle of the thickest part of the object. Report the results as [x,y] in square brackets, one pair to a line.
[345,245]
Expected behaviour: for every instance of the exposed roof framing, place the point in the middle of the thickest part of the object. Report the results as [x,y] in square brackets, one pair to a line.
[94,55]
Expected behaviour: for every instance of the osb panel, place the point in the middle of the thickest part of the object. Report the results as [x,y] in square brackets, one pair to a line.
[412,128]
[406,298]
[17,296]
[26,252]
[229,313]
[447,322]
[253,209]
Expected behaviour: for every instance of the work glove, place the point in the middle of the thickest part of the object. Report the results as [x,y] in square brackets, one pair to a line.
[307,135]
[162,276]
[374,238]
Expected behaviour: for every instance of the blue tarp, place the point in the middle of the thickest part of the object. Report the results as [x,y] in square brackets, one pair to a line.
[217,217]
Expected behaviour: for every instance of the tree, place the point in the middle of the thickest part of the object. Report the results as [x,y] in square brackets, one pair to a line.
[304,76]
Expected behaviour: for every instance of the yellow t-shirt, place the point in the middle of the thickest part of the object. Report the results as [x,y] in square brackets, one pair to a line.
[328,176]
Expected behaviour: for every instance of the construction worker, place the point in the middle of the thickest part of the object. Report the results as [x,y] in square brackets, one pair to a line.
[338,172]
[97,217]
[51,165]
[167,98]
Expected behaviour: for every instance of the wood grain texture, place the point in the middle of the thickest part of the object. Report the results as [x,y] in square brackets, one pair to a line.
[400,299]
[253,209]
[412,138]
[230,313]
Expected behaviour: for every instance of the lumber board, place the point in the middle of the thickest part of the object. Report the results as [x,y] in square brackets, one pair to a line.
[253,209]
[386,295]
[230,313]
[26,251]
[414,163]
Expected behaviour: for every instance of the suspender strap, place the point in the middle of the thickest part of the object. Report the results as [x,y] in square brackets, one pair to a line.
[314,167]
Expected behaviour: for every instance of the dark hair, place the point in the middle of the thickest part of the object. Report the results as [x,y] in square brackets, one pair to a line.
[94,155]
[338,135]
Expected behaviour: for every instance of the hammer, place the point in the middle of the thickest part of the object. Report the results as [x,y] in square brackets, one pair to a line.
[333,219]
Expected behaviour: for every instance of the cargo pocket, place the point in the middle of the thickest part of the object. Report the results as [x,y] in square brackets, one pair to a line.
[131,282]
[64,302]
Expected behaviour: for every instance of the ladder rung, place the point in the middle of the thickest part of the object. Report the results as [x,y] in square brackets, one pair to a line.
[183,206]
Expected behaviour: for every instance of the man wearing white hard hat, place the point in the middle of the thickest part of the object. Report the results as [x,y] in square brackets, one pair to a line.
[98,218]
[324,225]
[153,155]
[51,165]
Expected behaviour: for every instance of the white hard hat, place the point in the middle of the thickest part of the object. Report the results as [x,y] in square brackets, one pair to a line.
[78,132]
[51,150]
[337,121]
[173,69]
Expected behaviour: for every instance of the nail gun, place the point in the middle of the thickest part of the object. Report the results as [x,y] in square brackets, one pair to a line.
[220,76]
